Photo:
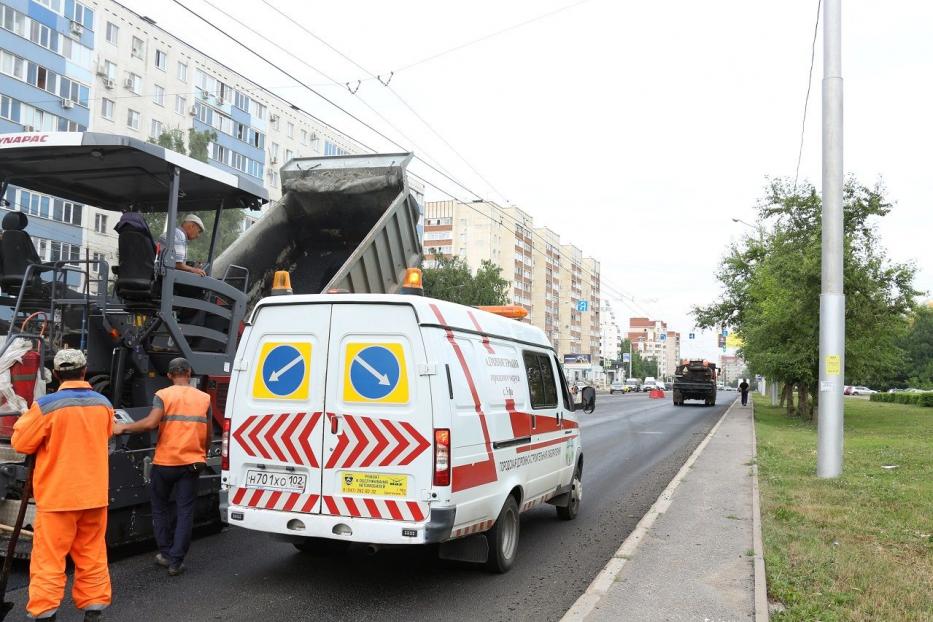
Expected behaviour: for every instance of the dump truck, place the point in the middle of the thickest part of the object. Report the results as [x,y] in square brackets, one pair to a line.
[695,380]
[343,223]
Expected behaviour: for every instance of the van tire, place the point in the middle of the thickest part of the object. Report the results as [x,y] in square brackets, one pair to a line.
[322,546]
[569,512]
[502,539]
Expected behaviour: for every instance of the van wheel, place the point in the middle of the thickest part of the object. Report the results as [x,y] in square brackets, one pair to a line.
[576,495]
[502,539]
[322,546]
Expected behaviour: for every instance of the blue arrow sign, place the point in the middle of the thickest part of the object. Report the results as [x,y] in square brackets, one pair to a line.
[374,372]
[725,333]
[583,305]
[283,370]
[626,357]
[692,335]
[663,337]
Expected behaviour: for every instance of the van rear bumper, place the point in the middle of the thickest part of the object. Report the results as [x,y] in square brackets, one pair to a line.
[366,530]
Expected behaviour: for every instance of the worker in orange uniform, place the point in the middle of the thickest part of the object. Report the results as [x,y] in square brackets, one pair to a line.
[183,415]
[68,431]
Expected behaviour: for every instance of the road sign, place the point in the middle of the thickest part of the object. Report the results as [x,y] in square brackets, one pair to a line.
[375,372]
[725,333]
[663,337]
[692,335]
[283,371]
[583,305]
[626,357]
[722,342]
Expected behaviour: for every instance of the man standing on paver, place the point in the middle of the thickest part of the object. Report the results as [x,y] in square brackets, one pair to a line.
[744,389]
[183,415]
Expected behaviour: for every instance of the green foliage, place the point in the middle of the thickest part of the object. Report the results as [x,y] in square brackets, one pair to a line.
[918,346]
[452,280]
[771,289]
[915,399]
[231,219]
[641,367]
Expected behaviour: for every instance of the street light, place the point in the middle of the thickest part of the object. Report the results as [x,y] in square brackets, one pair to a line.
[750,226]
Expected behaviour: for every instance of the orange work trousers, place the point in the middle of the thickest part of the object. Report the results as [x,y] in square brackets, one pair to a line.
[79,533]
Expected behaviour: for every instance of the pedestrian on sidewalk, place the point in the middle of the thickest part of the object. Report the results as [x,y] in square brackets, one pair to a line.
[744,389]
[183,415]
[68,431]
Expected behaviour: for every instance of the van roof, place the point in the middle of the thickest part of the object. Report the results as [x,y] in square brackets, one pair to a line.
[429,311]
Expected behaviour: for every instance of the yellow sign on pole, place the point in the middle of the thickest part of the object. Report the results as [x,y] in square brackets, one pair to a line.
[833,365]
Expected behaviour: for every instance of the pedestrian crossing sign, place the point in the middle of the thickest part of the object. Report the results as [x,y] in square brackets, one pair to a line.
[375,373]
[283,371]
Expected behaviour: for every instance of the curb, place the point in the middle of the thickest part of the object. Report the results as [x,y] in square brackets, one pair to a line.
[761,580]
[607,576]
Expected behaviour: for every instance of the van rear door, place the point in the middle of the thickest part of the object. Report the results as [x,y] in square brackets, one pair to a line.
[277,424]
[377,457]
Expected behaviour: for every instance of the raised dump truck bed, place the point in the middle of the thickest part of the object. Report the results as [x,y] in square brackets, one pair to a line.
[344,222]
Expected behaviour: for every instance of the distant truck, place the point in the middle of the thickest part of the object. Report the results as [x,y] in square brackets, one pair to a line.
[695,380]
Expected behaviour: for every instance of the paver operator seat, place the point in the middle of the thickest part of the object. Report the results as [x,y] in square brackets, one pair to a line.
[17,251]
[136,274]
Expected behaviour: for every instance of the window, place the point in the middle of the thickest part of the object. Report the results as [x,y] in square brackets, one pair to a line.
[113,33]
[289,154]
[96,258]
[182,73]
[134,83]
[132,119]
[79,13]
[304,137]
[100,223]
[274,151]
[106,109]
[139,48]
[274,121]
[110,69]
[542,386]
[290,129]
[161,59]
[158,95]
[155,128]
[181,104]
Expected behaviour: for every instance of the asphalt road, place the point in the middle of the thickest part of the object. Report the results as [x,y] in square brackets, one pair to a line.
[633,446]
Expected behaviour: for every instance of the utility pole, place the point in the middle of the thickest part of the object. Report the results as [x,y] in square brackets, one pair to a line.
[832,297]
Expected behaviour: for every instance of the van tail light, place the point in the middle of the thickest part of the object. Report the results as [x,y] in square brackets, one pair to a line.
[442,457]
[225,446]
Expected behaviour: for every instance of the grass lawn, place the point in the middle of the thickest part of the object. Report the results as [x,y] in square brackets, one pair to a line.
[860,547]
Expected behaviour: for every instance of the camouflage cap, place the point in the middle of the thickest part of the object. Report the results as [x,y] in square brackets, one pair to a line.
[69,359]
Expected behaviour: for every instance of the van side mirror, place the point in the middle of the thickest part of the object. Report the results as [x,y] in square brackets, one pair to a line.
[587,400]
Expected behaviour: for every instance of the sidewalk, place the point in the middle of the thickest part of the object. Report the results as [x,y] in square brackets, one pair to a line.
[697,560]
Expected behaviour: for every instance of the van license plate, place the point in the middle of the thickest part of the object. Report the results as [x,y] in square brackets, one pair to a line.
[276,480]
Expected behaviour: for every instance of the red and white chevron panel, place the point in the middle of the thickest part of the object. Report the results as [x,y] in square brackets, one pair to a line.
[367,442]
[275,500]
[285,437]
[531,503]
[479,527]
[386,509]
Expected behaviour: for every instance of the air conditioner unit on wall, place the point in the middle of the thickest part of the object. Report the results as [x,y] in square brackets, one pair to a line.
[108,83]
[28,128]
[193,111]
[273,118]
[101,70]
[129,83]
[77,29]
[67,104]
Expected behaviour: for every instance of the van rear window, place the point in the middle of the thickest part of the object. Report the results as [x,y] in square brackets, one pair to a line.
[542,386]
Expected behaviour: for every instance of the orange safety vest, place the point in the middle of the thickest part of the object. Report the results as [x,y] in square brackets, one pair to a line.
[183,428]
[68,431]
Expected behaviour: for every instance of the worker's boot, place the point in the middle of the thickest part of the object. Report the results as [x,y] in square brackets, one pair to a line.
[93,616]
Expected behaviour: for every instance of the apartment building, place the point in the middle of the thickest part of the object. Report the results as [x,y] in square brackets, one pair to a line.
[609,334]
[548,278]
[95,65]
[731,369]
[654,341]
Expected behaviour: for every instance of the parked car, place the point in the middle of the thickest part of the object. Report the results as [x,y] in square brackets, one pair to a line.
[617,387]
[660,385]
[847,389]
[859,390]
[633,385]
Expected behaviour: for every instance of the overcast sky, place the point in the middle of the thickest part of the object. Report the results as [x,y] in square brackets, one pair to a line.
[637,130]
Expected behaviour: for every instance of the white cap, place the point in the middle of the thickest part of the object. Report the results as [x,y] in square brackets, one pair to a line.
[69,359]
[195,219]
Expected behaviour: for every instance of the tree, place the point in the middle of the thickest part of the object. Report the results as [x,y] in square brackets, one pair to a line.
[641,367]
[771,290]
[918,347]
[231,223]
[452,280]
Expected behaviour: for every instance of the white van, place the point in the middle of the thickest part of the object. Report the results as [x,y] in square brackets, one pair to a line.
[396,419]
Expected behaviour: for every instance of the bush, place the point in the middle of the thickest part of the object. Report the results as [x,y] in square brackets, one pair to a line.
[914,399]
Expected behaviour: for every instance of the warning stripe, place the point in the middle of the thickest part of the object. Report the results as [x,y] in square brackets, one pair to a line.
[472,528]
[486,343]
[275,500]
[478,473]
[532,503]
[385,509]
[282,437]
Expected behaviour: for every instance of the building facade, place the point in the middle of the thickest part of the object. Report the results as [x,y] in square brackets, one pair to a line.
[610,336]
[548,278]
[653,340]
[95,65]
